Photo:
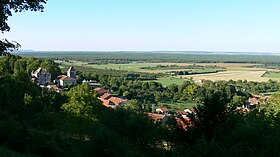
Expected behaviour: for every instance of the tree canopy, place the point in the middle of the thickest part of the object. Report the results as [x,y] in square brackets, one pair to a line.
[6,10]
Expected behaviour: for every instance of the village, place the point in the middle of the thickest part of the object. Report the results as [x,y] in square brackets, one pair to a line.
[184,118]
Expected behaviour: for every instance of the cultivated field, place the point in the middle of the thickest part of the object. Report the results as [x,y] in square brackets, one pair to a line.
[249,75]
[234,71]
[131,66]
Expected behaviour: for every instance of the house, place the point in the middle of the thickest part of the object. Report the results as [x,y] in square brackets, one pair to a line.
[66,80]
[101,91]
[41,76]
[94,84]
[118,101]
[71,72]
[190,110]
[184,123]
[105,96]
[54,88]
[69,79]
[113,102]
[156,117]
[181,113]
[162,110]
[108,100]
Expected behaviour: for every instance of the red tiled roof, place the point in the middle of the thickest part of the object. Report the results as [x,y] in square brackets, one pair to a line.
[106,102]
[156,117]
[106,96]
[66,78]
[116,100]
[101,91]
[97,89]
[184,123]
[181,113]
[112,101]
[164,109]
[192,109]
[254,101]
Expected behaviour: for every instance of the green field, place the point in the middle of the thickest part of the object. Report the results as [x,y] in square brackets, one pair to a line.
[272,75]
[126,67]
[138,67]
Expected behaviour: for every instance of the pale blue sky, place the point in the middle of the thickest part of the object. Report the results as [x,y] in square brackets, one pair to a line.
[191,25]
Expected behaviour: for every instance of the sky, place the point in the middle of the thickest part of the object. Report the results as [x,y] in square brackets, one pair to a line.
[150,25]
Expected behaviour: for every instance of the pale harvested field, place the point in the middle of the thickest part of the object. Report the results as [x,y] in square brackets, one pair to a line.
[234,72]
[250,75]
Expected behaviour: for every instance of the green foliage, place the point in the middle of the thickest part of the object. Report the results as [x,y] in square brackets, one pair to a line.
[238,101]
[82,100]
[133,105]
[52,68]
[212,111]
[10,153]
[35,122]
[20,66]
[6,10]
[11,131]
[33,64]
[165,81]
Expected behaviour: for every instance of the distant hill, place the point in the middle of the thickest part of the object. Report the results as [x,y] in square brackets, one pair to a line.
[154,52]
[24,50]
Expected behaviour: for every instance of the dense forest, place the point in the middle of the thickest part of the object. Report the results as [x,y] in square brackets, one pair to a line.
[129,57]
[37,122]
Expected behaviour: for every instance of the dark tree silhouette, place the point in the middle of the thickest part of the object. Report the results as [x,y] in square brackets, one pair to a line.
[6,8]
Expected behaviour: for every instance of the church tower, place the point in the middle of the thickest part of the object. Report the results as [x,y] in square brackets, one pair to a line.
[72,72]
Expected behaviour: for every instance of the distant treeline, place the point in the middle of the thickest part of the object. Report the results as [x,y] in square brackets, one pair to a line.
[129,57]
[196,72]
[171,67]
[266,66]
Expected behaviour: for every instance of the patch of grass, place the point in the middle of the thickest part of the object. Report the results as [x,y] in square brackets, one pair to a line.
[178,106]
[272,74]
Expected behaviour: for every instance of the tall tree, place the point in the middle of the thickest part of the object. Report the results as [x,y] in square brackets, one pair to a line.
[82,101]
[51,67]
[6,8]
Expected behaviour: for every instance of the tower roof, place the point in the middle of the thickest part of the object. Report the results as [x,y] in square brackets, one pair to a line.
[41,71]
[71,69]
